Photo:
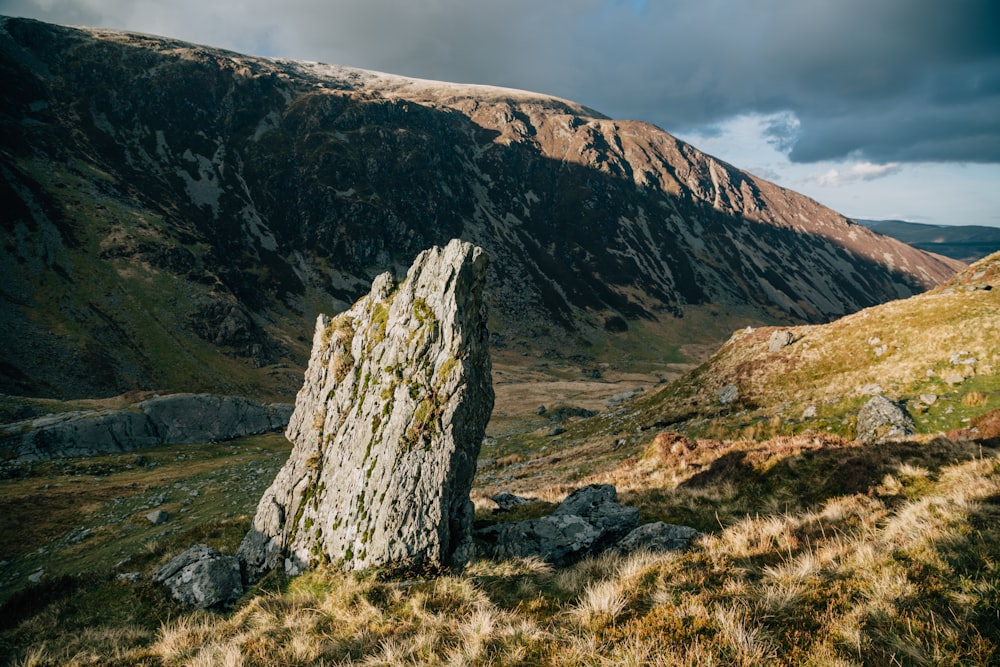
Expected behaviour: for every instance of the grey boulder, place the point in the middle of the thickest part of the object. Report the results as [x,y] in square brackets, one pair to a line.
[657,537]
[202,577]
[779,340]
[881,420]
[506,501]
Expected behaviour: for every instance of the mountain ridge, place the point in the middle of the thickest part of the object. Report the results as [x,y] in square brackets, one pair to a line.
[967,243]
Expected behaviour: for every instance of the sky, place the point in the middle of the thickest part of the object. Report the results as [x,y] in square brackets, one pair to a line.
[880,109]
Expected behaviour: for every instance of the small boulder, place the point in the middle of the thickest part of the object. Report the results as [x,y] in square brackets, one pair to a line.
[779,340]
[728,394]
[557,539]
[587,522]
[962,358]
[202,577]
[157,517]
[881,420]
[657,537]
[598,504]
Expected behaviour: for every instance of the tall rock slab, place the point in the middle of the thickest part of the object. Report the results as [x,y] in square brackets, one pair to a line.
[387,427]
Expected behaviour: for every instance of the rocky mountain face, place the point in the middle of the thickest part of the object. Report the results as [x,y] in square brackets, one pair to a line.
[161,420]
[387,427]
[172,214]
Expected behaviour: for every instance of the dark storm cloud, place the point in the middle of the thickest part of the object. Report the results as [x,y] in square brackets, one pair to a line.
[891,80]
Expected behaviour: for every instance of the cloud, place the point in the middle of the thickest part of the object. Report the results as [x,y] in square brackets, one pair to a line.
[782,131]
[859,171]
[889,81]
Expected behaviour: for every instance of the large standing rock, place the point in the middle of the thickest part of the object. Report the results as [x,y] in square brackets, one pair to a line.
[387,427]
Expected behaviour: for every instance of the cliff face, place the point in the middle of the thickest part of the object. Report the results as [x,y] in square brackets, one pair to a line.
[387,427]
[168,202]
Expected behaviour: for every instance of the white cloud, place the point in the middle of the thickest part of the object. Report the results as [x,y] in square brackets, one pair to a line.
[859,171]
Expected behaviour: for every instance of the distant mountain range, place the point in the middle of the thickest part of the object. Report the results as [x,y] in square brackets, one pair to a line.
[965,242]
[173,217]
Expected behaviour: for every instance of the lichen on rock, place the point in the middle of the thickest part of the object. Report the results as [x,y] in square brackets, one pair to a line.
[387,427]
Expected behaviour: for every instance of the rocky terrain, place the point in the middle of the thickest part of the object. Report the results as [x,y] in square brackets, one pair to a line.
[173,213]
[766,532]
[934,352]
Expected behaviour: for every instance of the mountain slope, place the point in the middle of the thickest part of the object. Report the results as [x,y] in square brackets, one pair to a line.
[176,215]
[967,243]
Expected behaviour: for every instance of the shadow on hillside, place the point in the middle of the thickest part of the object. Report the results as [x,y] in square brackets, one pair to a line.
[794,474]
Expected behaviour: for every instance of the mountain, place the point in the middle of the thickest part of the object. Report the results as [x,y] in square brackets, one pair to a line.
[964,242]
[175,216]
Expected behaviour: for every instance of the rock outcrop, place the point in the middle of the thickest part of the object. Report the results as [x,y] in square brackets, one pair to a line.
[163,420]
[202,577]
[881,420]
[387,427]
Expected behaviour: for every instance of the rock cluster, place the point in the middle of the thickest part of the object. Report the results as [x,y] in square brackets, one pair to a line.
[163,420]
[587,522]
[387,427]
